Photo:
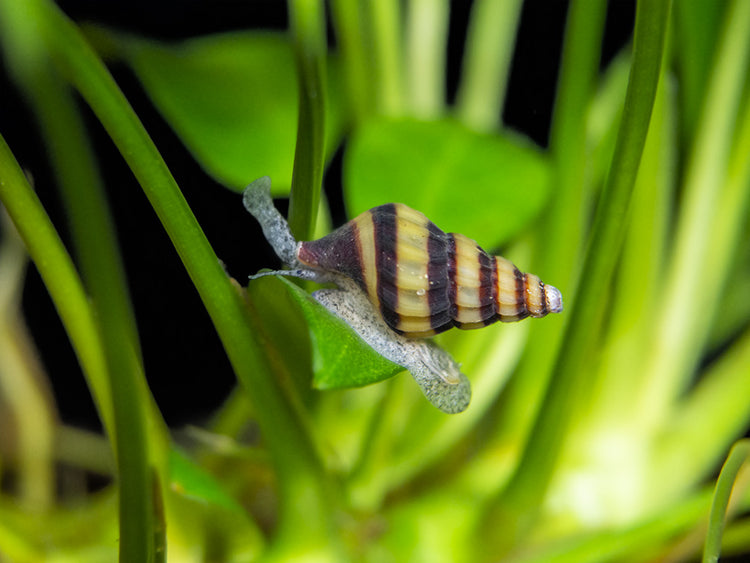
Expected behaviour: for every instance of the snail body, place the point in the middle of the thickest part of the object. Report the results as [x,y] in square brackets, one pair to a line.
[424,281]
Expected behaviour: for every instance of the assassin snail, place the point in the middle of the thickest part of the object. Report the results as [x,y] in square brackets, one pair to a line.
[424,281]
[400,279]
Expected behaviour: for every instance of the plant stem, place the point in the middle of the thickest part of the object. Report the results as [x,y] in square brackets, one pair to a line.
[353,37]
[24,385]
[616,381]
[562,232]
[426,44]
[708,226]
[713,413]
[385,51]
[738,457]
[706,422]
[303,486]
[56,268]
[525,492]
[308,29]
[489,52]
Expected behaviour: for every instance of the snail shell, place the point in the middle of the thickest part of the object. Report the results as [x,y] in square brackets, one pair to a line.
[424,281]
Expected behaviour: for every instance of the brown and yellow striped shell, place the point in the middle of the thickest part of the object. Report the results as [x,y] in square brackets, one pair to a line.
[424,281]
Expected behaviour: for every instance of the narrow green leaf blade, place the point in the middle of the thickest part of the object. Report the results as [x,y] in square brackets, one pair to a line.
[738,457]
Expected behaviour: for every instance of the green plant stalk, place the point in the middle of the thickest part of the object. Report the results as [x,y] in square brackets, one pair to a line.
[713,414]
[138,494]
[524,494]
[385,50]
[56,268]
[489,52]
[24,386]
[639,276]
[603,117]
[738,457]
[353,37]
[143,440]
[613,373]
[93,236]
[563,230]
[706,422]
[308,28]
[426,44]
[137,534]
[84,195]
[707,228]
[304,489]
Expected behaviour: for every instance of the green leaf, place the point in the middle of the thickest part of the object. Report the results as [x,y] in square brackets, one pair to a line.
[207,514]
[488,187]
[191,481]
[232,99]
[340,357]
[728,478]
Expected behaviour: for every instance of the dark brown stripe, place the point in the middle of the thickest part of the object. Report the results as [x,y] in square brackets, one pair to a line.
[449,324]
[543,299]
[385,235]
[494,292]
[451,252]
[438,298]
[522,311]
[486,270]
[357,270]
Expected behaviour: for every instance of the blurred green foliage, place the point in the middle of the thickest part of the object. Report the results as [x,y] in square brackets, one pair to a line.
[592,436]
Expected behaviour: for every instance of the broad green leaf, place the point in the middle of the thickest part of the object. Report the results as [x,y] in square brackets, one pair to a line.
[232,99]
[485,186]
[340,357]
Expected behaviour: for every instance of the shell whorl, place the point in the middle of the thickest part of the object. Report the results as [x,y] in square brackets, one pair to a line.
[424,281]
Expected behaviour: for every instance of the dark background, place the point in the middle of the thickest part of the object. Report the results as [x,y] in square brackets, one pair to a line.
[185,364]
